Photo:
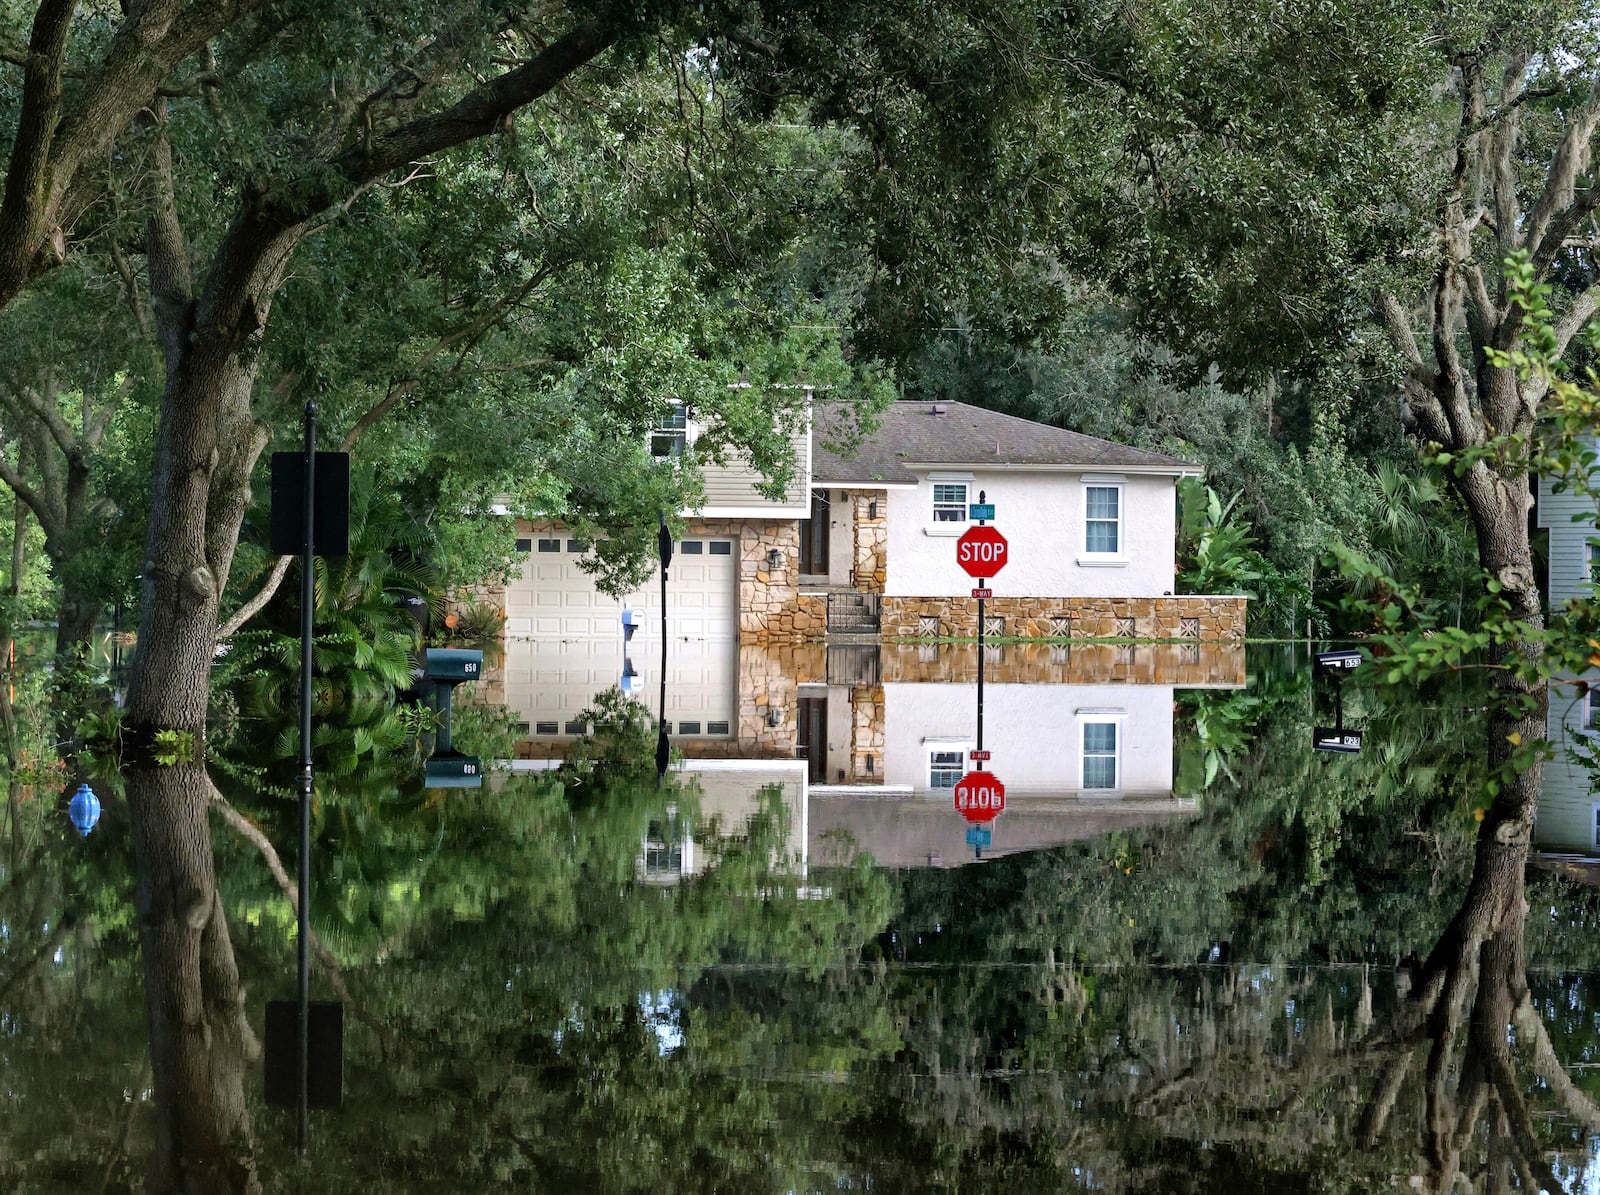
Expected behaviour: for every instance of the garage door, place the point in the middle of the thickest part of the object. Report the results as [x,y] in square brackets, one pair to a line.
[550,682]
[555,598]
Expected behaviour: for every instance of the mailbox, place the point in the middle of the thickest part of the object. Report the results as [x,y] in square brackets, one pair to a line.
[452,665]
[453,771]
[632,620]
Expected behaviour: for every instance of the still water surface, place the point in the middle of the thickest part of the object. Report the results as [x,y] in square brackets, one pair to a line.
[1197,955]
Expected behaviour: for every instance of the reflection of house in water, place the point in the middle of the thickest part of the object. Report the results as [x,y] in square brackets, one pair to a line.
[1569,808]
[870,741]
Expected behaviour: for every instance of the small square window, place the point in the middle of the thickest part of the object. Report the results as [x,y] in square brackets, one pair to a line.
[1099,755]
[1591,710]
[1592,556]
[691,547]
[577,726]
[722,547]
[523,545]
[544,728]
[717,728]
[950,502]
[688,728]
[928,625]
[549,545]
[945,767]
[577,546]
[1102,519]
[671,436]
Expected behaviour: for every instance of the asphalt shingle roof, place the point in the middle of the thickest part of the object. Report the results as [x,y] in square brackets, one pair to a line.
[955,433]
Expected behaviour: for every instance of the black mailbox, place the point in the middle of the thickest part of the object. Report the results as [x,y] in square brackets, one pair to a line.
[452,771]
[453,665]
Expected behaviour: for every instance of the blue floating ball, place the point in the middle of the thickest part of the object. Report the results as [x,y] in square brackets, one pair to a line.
[84,810]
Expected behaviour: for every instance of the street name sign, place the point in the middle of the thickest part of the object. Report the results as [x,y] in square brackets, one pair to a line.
[982,551]
[984,755]
[983,595]
[979,511]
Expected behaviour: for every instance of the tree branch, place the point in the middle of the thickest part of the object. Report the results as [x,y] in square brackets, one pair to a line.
[25,204]
[48,519]
[250,609]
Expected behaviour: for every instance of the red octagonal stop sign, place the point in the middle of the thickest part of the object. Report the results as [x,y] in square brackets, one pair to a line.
[980,797]
[981,551]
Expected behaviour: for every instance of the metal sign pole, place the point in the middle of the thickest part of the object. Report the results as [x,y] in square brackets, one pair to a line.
[308,595]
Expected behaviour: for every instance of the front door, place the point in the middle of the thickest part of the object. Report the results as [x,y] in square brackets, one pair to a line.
[811,738]
[814,537]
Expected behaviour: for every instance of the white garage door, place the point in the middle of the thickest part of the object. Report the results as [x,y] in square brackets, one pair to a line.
[549,682]
[555,599]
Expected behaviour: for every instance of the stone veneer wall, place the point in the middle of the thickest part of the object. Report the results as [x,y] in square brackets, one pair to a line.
[1189,616]
[866,733]
[872,543]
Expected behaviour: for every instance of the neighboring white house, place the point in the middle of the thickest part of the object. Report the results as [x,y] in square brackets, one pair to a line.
[1569,808]
[865,540]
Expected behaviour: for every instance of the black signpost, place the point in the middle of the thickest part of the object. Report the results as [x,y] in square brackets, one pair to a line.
[663,739]
[310,517]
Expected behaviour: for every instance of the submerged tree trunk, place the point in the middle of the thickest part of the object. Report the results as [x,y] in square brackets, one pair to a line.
[200,1041]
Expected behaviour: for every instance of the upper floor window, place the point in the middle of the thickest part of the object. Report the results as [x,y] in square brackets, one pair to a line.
[949,502]
[1102,519]
[1592,556]
[1591,710]
[671,436]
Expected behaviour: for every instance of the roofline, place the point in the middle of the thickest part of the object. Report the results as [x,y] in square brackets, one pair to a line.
[839,483]
[1181,469]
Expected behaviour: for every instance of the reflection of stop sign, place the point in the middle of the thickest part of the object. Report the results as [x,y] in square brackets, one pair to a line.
[981,551]
[980,797]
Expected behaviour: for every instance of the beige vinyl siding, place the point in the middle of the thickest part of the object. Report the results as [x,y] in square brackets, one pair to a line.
[1569,571]
[734,484]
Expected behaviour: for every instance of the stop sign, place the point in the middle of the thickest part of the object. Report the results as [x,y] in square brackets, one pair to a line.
[981,551]
[980,797]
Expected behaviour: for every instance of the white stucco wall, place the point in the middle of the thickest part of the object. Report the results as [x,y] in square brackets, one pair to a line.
[1035,732]
[1041,514]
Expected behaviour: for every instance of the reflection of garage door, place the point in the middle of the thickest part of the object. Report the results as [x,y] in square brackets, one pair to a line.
[555,599]
[550,683]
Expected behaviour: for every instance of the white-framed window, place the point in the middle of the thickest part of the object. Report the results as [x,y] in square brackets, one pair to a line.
[1591,708]
[1102,519]
[947,763]
[1102,753]
[1594,825]
[670,437]
[1591,557]
[949,502]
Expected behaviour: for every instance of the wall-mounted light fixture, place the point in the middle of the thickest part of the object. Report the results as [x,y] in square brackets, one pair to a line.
[774,558]
[774,716]
[872,509]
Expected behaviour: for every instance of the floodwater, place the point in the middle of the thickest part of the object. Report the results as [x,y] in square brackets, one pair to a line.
[1193,955]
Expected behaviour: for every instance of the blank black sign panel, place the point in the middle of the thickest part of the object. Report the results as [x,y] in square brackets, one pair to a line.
[330,532]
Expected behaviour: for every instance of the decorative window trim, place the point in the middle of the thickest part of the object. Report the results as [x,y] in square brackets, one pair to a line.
[1118,557]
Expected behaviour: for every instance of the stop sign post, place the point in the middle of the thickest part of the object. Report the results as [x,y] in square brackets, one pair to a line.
[980,797]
